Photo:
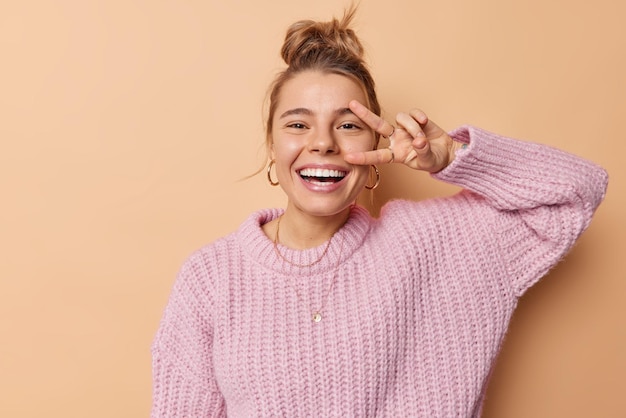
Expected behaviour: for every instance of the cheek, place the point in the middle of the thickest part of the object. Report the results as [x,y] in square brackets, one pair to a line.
[284,148]
[362,173]
[284,153]
[366,144]
[285,157]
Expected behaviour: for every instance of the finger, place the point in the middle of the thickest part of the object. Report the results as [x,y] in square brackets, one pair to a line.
[419,116]
[371,119]
[430,128]
[379,156]
[421,147]
[410,124]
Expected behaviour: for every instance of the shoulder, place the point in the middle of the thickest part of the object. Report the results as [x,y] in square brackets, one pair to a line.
[204,258]
[459,204]
[225,252]
[464,216]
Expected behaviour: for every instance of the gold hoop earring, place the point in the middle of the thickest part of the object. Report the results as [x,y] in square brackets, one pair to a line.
[269,173]
[377,179]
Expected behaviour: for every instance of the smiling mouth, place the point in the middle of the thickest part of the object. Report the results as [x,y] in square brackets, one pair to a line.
[321,175]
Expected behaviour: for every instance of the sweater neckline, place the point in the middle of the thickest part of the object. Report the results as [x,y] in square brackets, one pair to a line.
[344,243]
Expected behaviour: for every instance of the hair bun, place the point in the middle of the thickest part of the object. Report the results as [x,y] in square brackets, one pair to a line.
[307,38]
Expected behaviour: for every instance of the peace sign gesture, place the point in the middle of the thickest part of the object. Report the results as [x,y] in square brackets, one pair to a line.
[417,141]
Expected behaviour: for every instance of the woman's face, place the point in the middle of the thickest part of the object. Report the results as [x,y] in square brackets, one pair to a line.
[313,129]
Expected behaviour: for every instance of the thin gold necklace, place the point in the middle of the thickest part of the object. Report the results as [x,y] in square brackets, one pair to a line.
[277,250]
[316,314]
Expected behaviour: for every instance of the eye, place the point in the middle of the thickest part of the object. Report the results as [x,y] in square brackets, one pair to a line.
[296,125]
[349,126]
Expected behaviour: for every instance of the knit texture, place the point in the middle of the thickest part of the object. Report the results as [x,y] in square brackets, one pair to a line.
[421,300]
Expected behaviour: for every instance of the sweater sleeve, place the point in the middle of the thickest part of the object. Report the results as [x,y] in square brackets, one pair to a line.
[546,197]
[182,373]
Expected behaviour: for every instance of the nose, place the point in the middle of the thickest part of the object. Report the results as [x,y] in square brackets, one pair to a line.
[323,143]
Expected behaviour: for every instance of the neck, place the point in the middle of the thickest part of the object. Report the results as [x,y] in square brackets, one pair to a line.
[301,231]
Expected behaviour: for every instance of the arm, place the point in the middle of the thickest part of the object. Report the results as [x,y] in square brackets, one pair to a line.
[546,197]
[183,384]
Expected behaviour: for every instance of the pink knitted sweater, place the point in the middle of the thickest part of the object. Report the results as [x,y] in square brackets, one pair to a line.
[421,300]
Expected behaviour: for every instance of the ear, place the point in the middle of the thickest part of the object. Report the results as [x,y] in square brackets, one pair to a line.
[270,148]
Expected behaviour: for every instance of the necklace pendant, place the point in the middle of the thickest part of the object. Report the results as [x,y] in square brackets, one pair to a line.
[317,317]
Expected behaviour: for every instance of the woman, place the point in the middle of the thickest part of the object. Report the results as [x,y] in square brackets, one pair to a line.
[321,310]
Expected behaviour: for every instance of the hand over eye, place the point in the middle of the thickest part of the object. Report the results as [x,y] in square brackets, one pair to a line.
[416,141]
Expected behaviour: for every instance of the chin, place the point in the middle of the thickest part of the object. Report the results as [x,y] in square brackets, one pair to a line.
[325,210]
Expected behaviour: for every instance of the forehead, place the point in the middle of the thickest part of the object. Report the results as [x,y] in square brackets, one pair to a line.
[319,92]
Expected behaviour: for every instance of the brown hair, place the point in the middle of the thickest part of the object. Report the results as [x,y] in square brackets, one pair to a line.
[330,47]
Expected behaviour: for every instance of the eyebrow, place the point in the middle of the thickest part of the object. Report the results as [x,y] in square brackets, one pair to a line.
[309,112]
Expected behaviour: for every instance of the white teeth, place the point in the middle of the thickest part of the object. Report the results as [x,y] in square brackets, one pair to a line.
[321,172]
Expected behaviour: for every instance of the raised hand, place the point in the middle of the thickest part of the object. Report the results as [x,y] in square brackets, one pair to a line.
[416,142]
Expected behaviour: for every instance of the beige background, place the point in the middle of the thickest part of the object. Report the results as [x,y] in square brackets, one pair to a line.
[125,127]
